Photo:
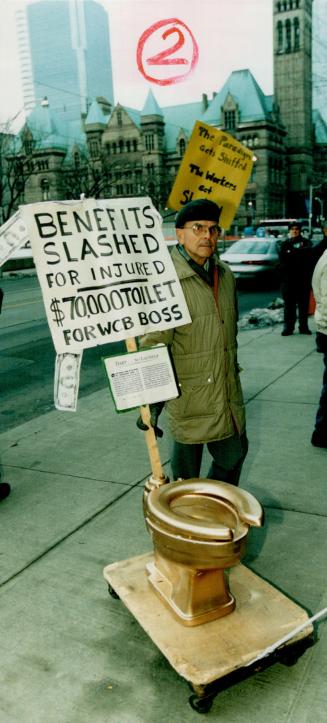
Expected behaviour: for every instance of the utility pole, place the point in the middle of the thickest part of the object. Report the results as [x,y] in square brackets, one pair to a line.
[321,214]
[310,209]
[311,189]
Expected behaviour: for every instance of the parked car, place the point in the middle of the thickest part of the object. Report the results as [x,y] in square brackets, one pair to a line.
[253,257]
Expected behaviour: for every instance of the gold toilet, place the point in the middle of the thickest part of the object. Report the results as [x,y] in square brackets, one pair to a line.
[199,529]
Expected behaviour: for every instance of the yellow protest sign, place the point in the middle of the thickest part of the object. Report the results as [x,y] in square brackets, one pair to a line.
[215,166]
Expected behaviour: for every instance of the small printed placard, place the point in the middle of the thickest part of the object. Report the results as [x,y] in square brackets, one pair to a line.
[141,377]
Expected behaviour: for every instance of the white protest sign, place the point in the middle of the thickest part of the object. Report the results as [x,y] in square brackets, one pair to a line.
[142,377]
[13,234]
[66,381]
[104,269]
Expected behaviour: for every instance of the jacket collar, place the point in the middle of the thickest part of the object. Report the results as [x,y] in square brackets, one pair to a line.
[183,268]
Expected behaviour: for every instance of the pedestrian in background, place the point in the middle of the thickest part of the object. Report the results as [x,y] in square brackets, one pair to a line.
[295,275]
[210,409]
[319,285]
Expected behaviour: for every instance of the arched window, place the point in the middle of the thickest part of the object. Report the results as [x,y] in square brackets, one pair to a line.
[76,159]
[296,33]
[278,7]
[94,148]
[119,118]
[45,189]
[288,32]
[134,145]
[149,142]
[230,119]
[253,173]
[280,36]
[28,146]
[182,146]
[114,148]
[128,146]
[121,146]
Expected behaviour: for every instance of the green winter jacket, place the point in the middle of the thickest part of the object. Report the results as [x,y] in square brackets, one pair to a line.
[210,405]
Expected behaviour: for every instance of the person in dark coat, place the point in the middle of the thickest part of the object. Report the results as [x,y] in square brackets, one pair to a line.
[4,486]
[295,274]
[319,285]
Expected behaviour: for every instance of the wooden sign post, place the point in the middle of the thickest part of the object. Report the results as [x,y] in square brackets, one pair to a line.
[158,475]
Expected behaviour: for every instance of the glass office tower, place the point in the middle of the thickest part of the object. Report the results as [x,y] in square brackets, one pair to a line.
[64,54]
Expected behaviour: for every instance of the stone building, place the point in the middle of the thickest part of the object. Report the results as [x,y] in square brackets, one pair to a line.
[121,151]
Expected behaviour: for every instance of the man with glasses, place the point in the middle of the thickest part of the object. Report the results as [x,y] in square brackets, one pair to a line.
[210,408]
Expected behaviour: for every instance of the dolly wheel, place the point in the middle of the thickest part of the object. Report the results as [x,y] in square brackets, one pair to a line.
[112,592]
[290,658]
[201,705]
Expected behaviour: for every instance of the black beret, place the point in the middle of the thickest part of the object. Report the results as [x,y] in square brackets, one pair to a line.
[199,210]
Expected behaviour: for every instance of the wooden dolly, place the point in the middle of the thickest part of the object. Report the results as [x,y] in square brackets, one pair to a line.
[215,655]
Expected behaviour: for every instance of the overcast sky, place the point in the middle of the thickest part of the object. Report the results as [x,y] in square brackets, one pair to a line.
[227,35]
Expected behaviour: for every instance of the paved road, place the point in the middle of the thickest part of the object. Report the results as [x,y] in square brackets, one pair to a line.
[27,355]
[23,301]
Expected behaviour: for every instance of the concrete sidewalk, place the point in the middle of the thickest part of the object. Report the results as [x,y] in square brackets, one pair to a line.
[72,654]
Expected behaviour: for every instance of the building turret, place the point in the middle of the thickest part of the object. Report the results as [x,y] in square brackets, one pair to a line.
[293,93]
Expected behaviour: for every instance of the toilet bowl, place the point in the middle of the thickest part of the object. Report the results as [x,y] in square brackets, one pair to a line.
[199,529]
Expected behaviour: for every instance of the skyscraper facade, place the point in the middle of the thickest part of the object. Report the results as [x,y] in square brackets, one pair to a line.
[64,52]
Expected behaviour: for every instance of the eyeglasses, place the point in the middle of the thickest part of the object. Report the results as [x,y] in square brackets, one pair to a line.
[199,228]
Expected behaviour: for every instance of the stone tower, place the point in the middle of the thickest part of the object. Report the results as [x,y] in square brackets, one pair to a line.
[153,136]
[293,95]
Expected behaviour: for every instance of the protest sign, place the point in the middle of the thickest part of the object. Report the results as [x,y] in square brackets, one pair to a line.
[13,235]
[104,270]
[142,377]
[215,166]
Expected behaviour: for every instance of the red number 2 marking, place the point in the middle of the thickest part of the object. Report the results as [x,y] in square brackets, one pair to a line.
[185,39]
[161,58]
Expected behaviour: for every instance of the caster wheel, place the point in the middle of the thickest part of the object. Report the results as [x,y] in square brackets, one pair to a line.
[112,592]
[290,660]
[201,705]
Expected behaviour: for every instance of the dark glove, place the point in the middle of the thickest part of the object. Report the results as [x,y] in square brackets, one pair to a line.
[155,411]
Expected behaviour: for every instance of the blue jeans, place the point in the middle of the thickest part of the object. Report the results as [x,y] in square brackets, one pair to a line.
[228,456]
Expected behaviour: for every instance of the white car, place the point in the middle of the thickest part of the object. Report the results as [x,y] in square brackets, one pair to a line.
[253,257]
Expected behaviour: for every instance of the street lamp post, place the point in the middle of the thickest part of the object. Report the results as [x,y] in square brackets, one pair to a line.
[310,208]
[321,203]
[250,211]
[311,189]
